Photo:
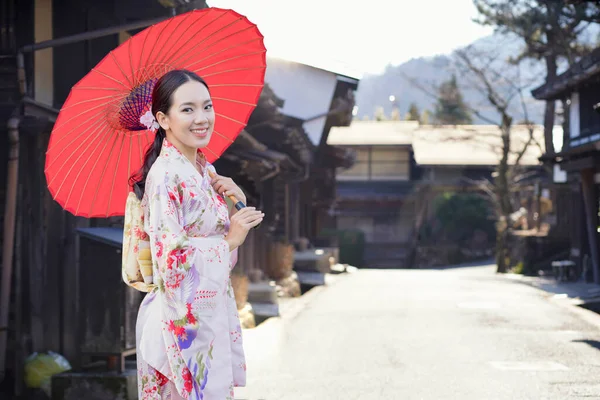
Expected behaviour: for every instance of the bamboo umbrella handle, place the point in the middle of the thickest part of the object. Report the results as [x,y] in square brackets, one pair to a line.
[237,203]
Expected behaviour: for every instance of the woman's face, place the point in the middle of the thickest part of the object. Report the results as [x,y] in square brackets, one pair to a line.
[191,119]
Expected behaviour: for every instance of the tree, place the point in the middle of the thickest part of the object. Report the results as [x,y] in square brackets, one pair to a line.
[550,29]
[395,114]
[500,84]
[425,117]
[380,114]
[450,108]
[413,113]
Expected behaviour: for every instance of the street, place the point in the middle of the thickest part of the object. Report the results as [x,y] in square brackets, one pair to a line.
[458,333]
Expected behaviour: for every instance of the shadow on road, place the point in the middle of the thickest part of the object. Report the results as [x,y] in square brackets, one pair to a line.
[470,264]
[592,343]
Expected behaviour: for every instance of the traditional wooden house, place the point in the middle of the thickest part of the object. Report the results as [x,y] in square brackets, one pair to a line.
[577,165]
[313,99]
[400,169]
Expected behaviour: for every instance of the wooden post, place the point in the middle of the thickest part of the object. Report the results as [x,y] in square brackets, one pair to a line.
[591,217]
[9,237]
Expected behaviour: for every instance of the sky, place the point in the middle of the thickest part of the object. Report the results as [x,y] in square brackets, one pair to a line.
[361,38]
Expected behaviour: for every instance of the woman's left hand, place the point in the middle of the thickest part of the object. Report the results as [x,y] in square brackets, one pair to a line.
[226,187]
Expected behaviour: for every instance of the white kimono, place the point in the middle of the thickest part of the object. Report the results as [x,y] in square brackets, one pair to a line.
[189,339]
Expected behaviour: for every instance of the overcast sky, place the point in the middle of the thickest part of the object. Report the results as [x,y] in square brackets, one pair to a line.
[360,39]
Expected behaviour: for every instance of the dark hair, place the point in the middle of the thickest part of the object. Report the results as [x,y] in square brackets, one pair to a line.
[162,98]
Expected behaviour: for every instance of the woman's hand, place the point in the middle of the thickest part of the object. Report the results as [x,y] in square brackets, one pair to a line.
[226,187]
[241,222]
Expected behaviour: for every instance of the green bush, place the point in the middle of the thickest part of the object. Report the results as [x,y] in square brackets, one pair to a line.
[457,216]
[351,244]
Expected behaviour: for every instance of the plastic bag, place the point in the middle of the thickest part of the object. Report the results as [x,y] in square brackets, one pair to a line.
[39,369]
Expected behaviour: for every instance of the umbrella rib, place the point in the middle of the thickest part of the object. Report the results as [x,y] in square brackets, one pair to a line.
[114,135]
[212,152]
[164,55]
[218,52]
[89,175]
[112,187]
[90,100]
[234,101]
[142,51]
[65,136]
[233,70]
[121,69]
[81,169]
[96,88]
[219,41]
[230,59]
[203,40]
[235,85]
[82,113]
[224,137]
[133,77]
[110,77]
[165,24]
[73,153]
[230,119]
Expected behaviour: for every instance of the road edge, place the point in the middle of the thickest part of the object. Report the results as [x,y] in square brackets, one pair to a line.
[568,303]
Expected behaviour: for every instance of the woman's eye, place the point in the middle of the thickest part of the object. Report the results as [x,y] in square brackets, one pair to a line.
[208,107]
[187,109]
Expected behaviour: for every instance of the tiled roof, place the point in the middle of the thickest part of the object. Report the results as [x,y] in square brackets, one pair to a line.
[373,133]
[442,145]
[587,67]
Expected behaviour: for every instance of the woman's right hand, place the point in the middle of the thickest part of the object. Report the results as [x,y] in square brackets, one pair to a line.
[240,224]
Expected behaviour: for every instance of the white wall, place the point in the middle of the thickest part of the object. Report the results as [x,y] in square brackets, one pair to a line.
[574,116]
[307,92]
[43,67]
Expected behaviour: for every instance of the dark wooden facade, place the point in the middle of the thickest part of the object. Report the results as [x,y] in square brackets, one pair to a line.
[579,90]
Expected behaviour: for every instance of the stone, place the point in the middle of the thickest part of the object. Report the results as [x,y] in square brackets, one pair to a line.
[246,314]
[289,287]
[311,278]
[314,260]
[262,292]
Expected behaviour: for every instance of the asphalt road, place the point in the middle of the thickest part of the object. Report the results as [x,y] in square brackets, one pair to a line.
[461,333]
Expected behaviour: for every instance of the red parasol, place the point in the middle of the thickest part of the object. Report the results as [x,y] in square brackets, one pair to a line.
[98,141]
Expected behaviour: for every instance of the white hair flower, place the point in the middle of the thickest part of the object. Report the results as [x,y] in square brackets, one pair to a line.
[149,121]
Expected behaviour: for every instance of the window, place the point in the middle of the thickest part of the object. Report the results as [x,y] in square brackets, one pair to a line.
[378,163]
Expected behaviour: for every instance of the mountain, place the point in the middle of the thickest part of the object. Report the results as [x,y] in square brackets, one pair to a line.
[428,73]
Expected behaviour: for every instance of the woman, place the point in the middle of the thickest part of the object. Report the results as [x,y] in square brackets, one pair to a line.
[189,342]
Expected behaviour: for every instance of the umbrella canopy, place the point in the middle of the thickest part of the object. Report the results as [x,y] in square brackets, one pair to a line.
[98,140]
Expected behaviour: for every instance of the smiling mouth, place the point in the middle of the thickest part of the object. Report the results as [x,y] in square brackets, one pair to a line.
[200,132]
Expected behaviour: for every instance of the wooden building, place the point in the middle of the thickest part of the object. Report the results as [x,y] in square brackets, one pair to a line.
[577,165]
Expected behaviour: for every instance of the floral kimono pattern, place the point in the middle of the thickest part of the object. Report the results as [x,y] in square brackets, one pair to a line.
[189,339]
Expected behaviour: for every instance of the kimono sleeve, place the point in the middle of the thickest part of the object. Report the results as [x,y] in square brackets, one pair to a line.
[181,262]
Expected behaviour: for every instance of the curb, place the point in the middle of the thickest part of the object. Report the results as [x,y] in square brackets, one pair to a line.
[568,303]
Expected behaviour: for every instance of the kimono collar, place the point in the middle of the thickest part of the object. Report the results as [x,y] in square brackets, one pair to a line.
[169,150]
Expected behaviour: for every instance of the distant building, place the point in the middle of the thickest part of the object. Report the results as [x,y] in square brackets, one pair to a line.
[400,168]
